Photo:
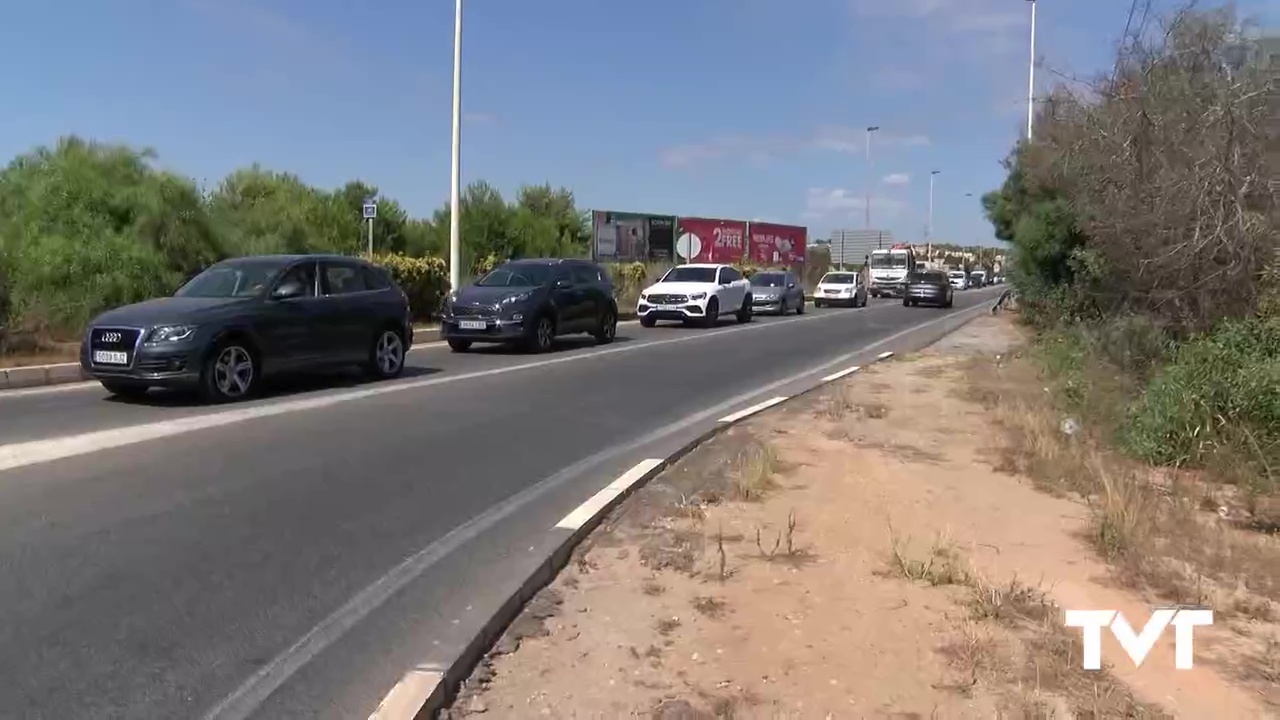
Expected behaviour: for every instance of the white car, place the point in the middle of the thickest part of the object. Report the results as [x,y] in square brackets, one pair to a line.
[698,293]
[958,279]
[840,288]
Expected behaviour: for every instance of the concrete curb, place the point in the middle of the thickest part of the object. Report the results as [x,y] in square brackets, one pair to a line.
[425,691]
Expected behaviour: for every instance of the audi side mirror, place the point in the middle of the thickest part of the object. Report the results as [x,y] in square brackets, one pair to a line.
[562,285]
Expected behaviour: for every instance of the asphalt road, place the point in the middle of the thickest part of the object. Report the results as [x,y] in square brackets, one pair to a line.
[152,573]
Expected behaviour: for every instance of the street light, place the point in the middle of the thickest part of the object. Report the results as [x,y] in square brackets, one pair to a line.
[1031,74]
[455,191]
[871,173]
[928,233]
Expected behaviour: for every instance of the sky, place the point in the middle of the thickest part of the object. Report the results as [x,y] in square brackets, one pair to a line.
[747,109]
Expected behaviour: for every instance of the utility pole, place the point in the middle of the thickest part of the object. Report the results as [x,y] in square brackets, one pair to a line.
[455,177]
[928,233]
[1031,74]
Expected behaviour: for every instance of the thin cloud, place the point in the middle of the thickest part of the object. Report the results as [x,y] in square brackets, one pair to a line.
[764,149]
[993,26]
[841,204]
[897,179]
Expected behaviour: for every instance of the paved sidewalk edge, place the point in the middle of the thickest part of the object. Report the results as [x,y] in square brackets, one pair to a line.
[425,691]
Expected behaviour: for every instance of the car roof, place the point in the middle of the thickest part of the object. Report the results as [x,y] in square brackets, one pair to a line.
[290,258]
[703,265]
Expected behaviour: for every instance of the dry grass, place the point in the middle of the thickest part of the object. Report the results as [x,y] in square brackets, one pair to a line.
[755,470]
[1014,643]
[1167,534]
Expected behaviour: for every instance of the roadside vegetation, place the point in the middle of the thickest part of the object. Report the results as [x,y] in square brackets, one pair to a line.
[1142,223]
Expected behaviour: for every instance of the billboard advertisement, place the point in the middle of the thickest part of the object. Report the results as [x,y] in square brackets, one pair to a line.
[632,237]
[777,245]
[704,240]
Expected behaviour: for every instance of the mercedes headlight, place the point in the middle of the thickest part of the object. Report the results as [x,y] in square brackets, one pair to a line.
[171,333]
[698,296]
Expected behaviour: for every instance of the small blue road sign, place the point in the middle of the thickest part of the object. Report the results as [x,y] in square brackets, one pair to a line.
[370,210]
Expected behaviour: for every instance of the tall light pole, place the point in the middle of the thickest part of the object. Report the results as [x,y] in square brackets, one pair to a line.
[871,173]
[1031,74]
[928,232]
[455,179]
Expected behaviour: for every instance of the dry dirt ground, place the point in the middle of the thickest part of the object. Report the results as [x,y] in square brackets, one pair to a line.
[850,553]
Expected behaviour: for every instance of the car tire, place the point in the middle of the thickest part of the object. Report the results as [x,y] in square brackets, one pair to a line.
[608,328]
[800,307]
[387,355]
[126,390]
[712,316]
[459,345]
[747,311]
[230,372]
[648,321]
[542,335]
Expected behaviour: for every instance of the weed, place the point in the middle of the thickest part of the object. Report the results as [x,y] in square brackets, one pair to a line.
[755,472]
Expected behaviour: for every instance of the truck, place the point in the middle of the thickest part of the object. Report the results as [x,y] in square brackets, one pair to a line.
[889,269]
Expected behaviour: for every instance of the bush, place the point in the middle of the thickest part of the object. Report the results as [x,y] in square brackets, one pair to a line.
[424,280]
[1221,389]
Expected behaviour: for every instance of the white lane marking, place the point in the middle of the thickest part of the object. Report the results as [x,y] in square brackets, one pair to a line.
[32,452]
[884,356]
[244,700]
[587,510]
[409,695]
[735,417]
[842,373]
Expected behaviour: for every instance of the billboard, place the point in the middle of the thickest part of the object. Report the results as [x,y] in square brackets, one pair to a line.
[706,240]
[632,237]
[777,245]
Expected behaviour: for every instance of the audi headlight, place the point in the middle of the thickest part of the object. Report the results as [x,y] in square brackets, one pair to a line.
[171,333]
[698,296]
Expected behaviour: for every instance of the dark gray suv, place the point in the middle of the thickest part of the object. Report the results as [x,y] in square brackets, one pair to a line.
[531,302]
[248,318]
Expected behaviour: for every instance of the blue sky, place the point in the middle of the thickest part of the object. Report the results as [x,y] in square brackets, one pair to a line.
[751,109]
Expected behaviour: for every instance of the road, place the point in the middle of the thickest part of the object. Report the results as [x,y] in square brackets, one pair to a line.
[168,560]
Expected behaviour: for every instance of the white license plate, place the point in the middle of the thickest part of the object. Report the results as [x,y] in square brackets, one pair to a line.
[473,324]
[668,307]
[833,292]
[110,357]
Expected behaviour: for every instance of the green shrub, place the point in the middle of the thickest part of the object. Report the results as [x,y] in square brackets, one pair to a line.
[424,280]
[1221,388]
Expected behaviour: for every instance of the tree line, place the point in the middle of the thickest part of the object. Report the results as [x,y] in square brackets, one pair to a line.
[85,226]
[1141,222]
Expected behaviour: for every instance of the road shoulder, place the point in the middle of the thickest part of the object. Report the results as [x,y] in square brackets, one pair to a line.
[851,551]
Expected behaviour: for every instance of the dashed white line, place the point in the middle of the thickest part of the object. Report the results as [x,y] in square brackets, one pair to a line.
[582,514]
[884,356]
[735,417]
[409,695]
[842,373]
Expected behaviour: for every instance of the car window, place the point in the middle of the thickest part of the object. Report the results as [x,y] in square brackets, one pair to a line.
[769,279]
[585,275]
[305,274]
[839,279]
[728,275]
[684,273]
[343,279]
[234,278]
[375,279]
[517,275]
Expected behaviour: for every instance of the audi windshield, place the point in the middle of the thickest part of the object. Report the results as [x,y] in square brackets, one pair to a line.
[234,279]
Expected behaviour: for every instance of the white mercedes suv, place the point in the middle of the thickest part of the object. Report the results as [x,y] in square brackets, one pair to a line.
[696,293]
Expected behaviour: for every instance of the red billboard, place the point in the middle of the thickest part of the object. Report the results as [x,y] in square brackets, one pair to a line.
[707,240]
[777,245]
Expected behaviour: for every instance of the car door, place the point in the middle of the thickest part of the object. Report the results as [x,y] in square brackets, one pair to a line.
[352,307]
[291,329]
[795,293]
[586,278]
[567,298]
[731,291]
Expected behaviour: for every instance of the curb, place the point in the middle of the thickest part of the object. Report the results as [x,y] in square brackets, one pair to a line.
[426,690]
